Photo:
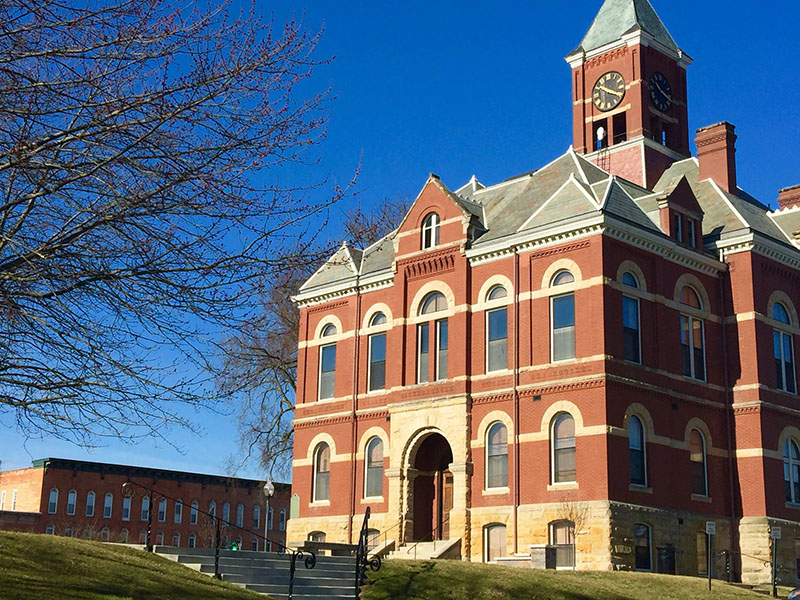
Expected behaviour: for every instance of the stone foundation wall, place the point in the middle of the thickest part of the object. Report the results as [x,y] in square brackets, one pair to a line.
[756,546]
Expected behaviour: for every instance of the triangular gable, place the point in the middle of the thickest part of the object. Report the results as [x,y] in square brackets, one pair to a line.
[679,194]
[342,265]
[572,199]
[618,202]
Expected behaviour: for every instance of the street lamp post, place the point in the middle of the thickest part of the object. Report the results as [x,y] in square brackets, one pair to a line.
[269,490]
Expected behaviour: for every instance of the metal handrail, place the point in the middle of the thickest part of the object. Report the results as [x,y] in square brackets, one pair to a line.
[309,558]
[385,531]
[424,540]
[362,552]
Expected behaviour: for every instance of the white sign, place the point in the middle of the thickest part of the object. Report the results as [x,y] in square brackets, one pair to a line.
[711,527]
[775,533]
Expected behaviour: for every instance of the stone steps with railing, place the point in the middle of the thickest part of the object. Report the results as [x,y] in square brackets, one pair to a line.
[268,572]
[439,549]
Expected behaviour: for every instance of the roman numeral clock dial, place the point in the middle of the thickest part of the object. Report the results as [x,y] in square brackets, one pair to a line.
[609,91]
[660,92]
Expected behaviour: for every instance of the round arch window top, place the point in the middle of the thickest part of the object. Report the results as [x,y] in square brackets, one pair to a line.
[434,302]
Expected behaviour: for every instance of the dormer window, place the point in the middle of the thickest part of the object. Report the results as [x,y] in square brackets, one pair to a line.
[678,232]
[430,231]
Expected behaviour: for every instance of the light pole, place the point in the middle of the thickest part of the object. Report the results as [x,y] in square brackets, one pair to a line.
[269,490]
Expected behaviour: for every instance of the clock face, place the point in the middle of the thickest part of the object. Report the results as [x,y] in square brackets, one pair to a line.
[609,91]
[660,92]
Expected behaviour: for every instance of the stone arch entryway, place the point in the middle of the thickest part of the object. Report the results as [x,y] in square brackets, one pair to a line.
[430,487]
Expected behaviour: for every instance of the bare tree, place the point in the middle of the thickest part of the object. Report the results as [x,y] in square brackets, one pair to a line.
[144,150]
[259,362]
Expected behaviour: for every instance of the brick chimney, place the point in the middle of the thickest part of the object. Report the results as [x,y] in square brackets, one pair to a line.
[716,151]
[789,197]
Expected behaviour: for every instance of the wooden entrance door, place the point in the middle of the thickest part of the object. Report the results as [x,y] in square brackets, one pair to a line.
[447,504]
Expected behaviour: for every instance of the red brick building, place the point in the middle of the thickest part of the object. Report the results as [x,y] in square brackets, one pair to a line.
[85,499]
[598,354]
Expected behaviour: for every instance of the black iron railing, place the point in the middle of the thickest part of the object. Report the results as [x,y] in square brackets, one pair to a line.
[363,559]
[308,557]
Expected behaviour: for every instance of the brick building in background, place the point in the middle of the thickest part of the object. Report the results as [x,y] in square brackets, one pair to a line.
[598,354]
[85,499]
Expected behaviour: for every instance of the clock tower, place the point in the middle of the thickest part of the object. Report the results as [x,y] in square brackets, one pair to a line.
[629,93]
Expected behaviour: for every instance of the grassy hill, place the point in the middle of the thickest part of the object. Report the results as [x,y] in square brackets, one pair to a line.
[451,580]
[44,567]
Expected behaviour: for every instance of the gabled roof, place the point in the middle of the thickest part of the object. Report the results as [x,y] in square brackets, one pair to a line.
[619,17]
[344,264]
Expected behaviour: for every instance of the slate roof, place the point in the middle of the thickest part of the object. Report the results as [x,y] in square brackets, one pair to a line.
[619,17]
[568,189]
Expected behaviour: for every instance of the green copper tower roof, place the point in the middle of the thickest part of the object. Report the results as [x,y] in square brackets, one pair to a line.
[619,17]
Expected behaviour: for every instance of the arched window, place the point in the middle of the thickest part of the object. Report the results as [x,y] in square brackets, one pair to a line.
[162,510]
[643,554]
[123,536]
[160,538]
[193,513]
[327,365]
[105,534]
[50,529]
[126,508]
[192,540]
[72,502]
[68,532]
[430,231]
[178,511]
[322,472]
[212,509]
[52,504]
[693,361]
[497,332]
[562,536]
[176,539]
[142,537]
[791,471]
[433,303]
[373,538]
[108,505]
[282,520]
[697,458]
[240,515]
[563,448]
[226,513]
[373,487]
[497,456]
[494,544]
[256,517]
[377,355]
[90,504]
[636,451]
[562,319]
[270,520]
[316,536]
[630,321]
[783,346]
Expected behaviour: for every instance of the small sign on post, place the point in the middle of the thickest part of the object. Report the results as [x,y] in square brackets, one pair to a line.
[711,530]
[774,533]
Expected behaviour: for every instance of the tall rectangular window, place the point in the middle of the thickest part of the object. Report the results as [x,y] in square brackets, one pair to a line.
[630,329]
[563,315]
[282,520]
[692,348]
[441,349]
[162,510]
[327,371]
[643,554]
[423,353]
[497,339]
[145,508]
[108,503]
[377,362]
[269,518]
[3,500]
[126,509]
[784,360]
[691,231]
[178,511]
[678,227]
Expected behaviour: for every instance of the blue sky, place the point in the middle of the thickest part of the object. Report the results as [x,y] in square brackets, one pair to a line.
[462,88]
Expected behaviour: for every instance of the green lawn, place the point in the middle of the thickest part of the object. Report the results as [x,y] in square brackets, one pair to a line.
[44,567]
[453,580]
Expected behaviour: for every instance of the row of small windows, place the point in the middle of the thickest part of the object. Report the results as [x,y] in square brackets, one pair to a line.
[432,338]
[373,470]
[72,496]
[563,456]
[123,537]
